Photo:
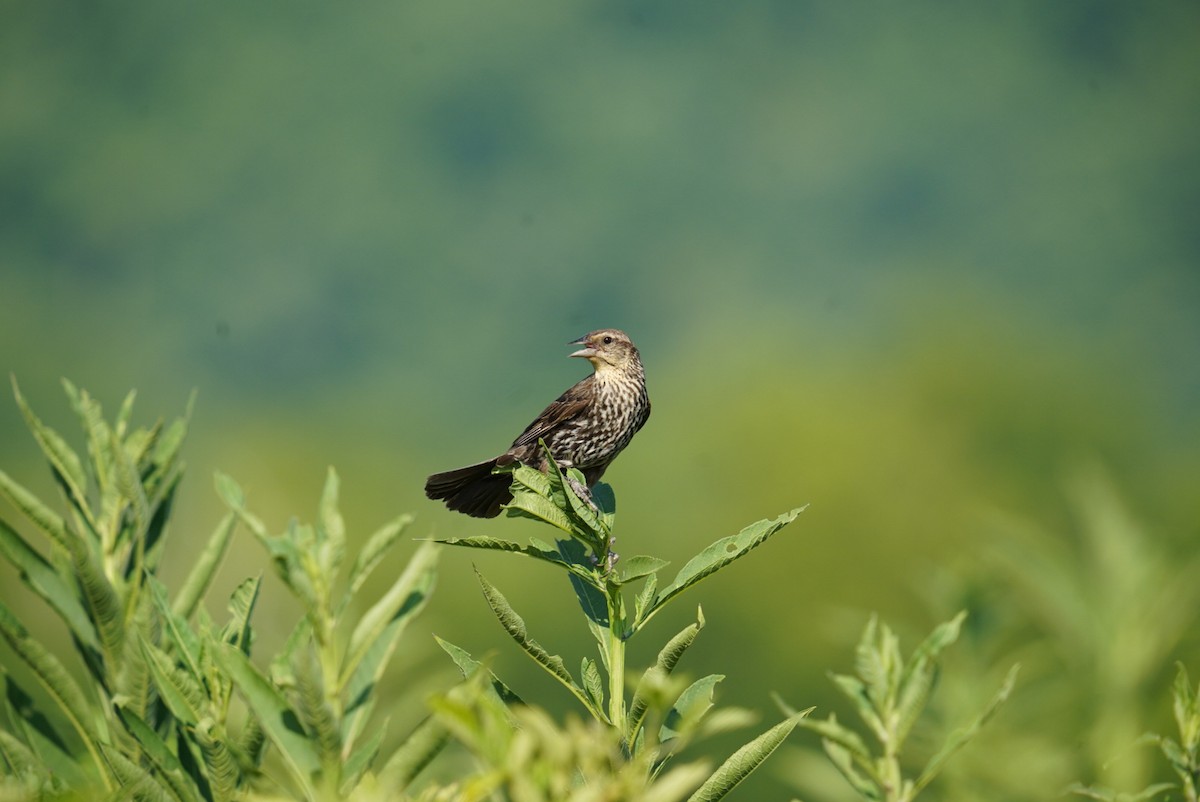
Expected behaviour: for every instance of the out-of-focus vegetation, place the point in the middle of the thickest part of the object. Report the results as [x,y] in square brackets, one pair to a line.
[922,267]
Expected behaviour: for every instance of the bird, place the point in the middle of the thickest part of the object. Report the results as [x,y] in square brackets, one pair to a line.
[585,428]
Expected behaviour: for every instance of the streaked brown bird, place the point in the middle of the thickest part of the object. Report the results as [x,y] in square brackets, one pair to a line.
[585,428]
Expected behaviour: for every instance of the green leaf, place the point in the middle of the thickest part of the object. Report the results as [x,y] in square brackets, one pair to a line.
[241,606]
[180,692]
[830,730]
[528,505]
[960,737]
[593,683]
[331,529]
[44,580]
[689,708]
[418,750]
[638,566]
[164,760]
[856,692]
[376,548]
[22,764]
[843,760]
[199,579]
[128,480]
[744,761]
[68,469]
[389,616]
[360,760]
[103,603]
[359,689]
[274,714]
[718,555]
[664,665]
[182,639]
[38,513]
[514,625]
[469,666]
[54,678]
[136,782]
[222,772]
[315,713]
[645,597]
[496,544]
[40,736]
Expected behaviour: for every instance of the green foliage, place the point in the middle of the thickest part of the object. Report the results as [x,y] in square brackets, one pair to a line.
[154,717]
[889,695]
[1183,755]
[664,714]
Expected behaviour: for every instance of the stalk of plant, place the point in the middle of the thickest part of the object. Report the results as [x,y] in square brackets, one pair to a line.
[156,717]
[660,717]
[889,694]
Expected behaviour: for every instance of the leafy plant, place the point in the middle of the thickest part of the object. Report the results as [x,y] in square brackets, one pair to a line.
[661,715]
[1182,755]
[155,716]
[889,695]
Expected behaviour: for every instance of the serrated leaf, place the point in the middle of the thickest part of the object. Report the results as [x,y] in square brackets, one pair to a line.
[183,640]
[22,764]
[54,678]
[718,555]
[241,606]
[593,683]
[43,579]
[103,604]
[167,764]
[39,734]
[67,467]
[496,544]
[468,665]
[514,625]
[274,714]
[180,692]
[331,529]
[643,600]
[221,765]
[136,782]
[743,762]
[37,512]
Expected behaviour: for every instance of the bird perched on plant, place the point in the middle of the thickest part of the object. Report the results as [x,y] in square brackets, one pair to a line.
[584,428]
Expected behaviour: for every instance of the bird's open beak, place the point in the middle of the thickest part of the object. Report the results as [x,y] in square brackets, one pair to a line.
[586,352]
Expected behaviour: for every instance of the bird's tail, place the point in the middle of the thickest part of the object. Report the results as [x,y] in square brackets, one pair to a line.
[473,490]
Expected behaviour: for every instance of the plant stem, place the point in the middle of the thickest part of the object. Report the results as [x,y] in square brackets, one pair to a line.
[616,657]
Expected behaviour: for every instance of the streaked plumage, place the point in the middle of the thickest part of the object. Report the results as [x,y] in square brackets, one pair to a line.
[585,428]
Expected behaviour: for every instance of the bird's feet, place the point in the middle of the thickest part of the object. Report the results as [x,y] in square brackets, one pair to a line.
[581,490]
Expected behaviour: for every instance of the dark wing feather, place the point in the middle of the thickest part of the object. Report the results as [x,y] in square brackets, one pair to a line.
[562,409]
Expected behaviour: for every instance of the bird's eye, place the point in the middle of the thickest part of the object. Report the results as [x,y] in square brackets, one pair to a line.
[608,340]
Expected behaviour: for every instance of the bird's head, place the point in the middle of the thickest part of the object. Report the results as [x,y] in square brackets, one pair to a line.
[607,349]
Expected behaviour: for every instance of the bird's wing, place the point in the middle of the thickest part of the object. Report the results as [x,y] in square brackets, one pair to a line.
[561,410]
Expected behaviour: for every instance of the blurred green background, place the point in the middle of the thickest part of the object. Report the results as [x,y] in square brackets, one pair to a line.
[934,268]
